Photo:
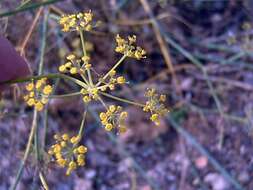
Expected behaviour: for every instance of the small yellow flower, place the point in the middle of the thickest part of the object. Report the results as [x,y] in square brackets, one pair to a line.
[68,64]
[112,86]
[61,162]
[63,144]
[82,149]
[29,86]
[72,164]
[58,155]
[87,66]
[62,68]
[73,70]
[39,106]
[123,114]
[47,89]
[44,100]
[31,102]
[75,139]
[121,80]
[85,58]
[112,108]
[155,118]
[31,94]
[112,73]
[102,116]
[162,98]
[108,127]
[86,99]
[65,137]
[57,148]
[71,57]
[80,160]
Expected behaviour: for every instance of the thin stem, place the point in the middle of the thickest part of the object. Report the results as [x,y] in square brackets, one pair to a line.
[43,181]
[45,123]
[40,72]
[82,42]
[65,95]
[84,78]
[85,54]
[195,61]
[81,129]
[122,99]
[51,76]
[27,150]
[23,4]
[113,68]
[103,86]
[28,7]
[80,83]
[102,102]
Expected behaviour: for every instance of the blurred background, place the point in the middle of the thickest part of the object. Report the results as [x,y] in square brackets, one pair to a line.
[199,53]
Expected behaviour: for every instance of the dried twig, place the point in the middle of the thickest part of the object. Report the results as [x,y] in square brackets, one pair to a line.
[29,33]
[162,44]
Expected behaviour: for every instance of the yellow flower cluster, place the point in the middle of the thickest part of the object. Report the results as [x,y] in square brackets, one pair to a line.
[114,118]
[76,22]
[128,48]
[38,93]
[89,94]
[113,80]
[75,65]
[67,153]
[155,105]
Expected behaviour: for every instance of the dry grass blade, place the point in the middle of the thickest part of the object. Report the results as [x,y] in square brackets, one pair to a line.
[28,7]
[27,37]
[162,44]
[203,151]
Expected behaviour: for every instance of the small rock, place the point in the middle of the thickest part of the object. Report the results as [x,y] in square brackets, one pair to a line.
[216,181]
[146,187]
[81,184]
[244,177]
[89,174]
[201,162]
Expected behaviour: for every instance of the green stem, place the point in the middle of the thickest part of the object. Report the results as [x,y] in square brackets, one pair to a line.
[23,4]
[28,7]
[113,68]
[102,102]
[37,145]
[81,129]
[43,181]
[65,95]
[122,99]
[85,54]
[84,78]
[27,151]
[204,152]
[50,76]
[234,58]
